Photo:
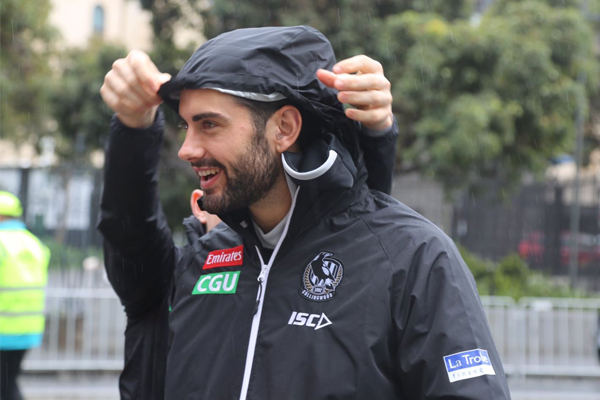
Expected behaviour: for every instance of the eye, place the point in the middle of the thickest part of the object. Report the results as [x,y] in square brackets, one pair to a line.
[208,124]
[182,125]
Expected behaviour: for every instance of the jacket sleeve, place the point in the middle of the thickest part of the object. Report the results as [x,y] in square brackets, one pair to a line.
[445,350]
[138,248]
[379,151]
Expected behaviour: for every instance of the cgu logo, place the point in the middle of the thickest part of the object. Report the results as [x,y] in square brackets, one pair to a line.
[219,283]
[315,321]
[225,258]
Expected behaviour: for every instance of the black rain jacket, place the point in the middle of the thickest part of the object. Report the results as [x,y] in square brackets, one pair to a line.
[361,298]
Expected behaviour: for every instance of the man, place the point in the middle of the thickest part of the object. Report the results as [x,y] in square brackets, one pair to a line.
[315,287]
[145,355]
[147,331]
[23,276]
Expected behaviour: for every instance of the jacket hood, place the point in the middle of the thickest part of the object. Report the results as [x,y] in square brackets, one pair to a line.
[267,60]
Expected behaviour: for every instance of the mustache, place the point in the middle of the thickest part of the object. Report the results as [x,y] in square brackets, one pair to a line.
[207,163]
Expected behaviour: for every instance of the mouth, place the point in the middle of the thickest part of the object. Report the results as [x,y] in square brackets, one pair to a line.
[209,177]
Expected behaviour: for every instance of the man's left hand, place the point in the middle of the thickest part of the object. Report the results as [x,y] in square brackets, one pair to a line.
[362,84]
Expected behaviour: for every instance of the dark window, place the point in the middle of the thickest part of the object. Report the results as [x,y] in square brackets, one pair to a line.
[98,20]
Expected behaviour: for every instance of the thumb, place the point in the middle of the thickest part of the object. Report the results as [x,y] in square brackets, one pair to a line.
[163,78]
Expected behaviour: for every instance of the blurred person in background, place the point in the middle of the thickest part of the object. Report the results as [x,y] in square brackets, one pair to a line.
[23,277]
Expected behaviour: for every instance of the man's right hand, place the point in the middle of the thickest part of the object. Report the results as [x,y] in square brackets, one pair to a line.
[130,89]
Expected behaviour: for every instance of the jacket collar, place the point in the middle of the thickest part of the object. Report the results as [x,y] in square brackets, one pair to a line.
[328,182]
[194,229]
[12,225]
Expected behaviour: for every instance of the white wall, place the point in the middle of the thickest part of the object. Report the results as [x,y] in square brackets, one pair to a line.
[124,22]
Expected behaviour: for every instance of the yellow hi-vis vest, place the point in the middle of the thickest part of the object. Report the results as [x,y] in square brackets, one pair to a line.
[23,277]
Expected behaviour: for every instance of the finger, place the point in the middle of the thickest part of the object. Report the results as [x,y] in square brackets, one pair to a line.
[120,88]
[163,78]
[123,70]
[378,119]
[362,82]
[115,102]
[327,78]
[370,98]
[144,68]
[360,63]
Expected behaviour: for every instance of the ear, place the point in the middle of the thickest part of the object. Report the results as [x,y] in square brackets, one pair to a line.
[196,210]
[287,129]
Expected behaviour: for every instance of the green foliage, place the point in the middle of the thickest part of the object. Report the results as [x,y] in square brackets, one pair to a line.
[177,180]
[512,277]
[489,100]
[25,45]
[81,115]
[352,26]
[64,256]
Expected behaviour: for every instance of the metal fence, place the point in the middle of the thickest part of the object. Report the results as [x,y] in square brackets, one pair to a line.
[546,336]
[535,336]
[84,331]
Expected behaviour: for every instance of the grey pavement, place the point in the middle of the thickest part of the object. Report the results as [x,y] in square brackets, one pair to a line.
[104,387]
[72,386]
[554,388]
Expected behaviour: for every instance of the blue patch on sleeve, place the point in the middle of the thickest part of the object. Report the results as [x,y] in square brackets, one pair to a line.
[468,364]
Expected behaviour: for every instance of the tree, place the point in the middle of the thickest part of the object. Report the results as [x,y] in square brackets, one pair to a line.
[352,26]
[26,43]
[77,107]
[493,100]
[81,118]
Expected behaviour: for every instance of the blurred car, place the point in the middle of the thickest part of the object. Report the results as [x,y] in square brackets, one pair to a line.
[531,248]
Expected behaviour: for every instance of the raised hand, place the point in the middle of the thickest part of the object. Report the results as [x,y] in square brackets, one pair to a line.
[362,84]
[130,89]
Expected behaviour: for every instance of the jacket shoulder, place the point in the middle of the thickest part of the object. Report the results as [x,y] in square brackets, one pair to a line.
[403,233]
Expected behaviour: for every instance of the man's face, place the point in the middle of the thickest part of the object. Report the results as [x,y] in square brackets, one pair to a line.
[234,162]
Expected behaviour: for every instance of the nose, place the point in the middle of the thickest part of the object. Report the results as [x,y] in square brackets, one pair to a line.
[191,149]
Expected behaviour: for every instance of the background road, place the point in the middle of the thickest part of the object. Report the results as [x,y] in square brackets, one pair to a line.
[104,387]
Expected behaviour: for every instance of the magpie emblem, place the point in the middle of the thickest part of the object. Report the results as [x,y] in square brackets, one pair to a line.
[321,277]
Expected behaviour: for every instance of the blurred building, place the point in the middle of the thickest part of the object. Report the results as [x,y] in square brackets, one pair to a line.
[118,21]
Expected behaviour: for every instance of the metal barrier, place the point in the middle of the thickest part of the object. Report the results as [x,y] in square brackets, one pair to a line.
[84,331]
[558,337]
[546,336]
[535,336]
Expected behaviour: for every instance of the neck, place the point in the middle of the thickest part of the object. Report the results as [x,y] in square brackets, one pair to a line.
[272,208]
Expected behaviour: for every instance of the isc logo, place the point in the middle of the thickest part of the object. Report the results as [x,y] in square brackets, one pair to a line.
[315,321]
[219,283]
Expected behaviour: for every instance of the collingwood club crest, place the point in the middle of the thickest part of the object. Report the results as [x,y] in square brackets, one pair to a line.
[321,277]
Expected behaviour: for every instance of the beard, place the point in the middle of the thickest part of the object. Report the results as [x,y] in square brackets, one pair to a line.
[249,179]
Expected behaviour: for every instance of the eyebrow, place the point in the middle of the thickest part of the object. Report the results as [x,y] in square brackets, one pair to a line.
[202,116]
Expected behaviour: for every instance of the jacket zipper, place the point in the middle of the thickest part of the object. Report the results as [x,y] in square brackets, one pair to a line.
[262,287]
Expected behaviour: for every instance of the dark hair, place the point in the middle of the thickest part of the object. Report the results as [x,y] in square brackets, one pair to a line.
[261,111]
